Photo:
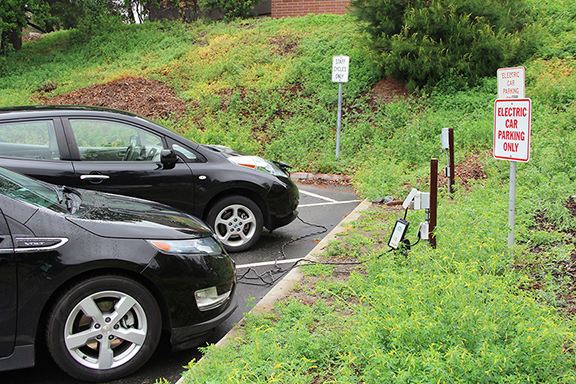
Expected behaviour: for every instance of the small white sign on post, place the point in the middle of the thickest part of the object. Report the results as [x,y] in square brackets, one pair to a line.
[511,83]
[340,65]
[512,129]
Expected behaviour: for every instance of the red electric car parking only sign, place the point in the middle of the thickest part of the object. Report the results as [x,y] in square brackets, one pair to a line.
[512,129]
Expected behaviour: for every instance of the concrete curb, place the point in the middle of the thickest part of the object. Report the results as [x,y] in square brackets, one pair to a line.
[284,286]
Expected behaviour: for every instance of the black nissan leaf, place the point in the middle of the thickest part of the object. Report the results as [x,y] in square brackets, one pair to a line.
[119,152]
[100,276]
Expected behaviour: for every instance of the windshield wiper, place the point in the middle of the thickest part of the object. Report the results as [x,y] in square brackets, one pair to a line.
[59,193]
[65,196]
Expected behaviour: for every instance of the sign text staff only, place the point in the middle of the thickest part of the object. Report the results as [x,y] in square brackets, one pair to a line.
[512,129]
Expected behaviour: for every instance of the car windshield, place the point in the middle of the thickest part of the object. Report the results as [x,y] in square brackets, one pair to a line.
[25,189]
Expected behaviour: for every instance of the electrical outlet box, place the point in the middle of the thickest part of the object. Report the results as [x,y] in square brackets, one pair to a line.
[417,201]
[407,202]
[423,231]
[421,201]
[424,200]
[444,138]
[398,233]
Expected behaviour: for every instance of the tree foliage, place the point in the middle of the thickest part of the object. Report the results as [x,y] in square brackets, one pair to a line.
[184,10]
[424,41]
[232,9]
[51,15]
[14,15]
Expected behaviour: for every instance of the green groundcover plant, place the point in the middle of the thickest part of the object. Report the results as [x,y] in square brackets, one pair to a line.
[454,314]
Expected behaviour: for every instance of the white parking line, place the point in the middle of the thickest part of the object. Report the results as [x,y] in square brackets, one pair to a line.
[265,263]
[329,200]
[330,203]
[316,196]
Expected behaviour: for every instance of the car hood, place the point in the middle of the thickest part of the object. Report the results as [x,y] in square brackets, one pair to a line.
[228,152]
[224,150]
[117,216]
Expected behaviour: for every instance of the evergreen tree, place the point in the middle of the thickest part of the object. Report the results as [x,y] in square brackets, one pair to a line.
[425,41]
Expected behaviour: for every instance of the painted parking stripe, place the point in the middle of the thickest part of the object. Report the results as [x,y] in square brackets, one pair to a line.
[330,203]
[328,199]
[316,196]
[266,263]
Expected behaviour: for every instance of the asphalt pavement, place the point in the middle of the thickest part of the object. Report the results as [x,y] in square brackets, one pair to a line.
[320,210]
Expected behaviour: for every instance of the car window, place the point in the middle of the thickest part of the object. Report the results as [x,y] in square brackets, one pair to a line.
[29,139]
[102,140]
[184,152]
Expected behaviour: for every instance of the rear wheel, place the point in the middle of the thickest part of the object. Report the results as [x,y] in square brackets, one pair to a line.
[103,328]
[237,221]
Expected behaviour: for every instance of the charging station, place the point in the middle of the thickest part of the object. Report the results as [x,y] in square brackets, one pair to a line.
[447,142]
[415,200]
[398,233]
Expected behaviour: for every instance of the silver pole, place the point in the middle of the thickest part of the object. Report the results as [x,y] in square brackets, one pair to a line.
[512,204]
[339,121]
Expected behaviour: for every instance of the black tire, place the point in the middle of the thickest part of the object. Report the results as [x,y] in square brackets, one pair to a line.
[237,221]
[111,314]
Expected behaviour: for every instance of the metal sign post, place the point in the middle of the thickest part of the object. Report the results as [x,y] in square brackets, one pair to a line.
[339,122]
[340,65]
[512,118]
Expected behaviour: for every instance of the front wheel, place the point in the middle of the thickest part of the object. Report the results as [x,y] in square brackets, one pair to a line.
[103,328]
[237,221]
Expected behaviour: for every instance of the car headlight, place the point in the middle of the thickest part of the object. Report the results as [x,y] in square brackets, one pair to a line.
[202,246]
[258,163]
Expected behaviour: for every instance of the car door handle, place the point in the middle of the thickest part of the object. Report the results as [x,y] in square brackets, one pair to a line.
[94,177]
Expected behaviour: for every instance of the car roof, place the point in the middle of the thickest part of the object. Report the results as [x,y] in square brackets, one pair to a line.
[52,110]
[39,111]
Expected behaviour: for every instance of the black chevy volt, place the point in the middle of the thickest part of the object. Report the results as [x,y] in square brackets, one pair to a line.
[119,152]
[99,276]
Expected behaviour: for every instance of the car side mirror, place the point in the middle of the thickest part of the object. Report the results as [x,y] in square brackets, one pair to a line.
[168,158]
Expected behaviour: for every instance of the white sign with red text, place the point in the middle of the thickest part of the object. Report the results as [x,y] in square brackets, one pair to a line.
[512,129]
[511,83]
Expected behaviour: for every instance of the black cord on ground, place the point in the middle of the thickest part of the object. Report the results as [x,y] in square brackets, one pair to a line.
[283,254]
[270,277]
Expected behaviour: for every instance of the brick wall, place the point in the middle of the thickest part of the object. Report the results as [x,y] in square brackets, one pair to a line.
[291,8]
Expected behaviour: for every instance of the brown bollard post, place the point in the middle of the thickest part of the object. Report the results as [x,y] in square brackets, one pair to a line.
[433,200]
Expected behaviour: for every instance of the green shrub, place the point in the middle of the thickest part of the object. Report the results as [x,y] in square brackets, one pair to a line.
[557,21]
[232,9]
[425,41]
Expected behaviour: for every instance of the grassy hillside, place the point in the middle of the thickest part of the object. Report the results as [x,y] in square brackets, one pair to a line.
[264,86]
[470,310]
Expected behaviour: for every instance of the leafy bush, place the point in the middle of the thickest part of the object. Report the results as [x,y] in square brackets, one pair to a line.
[232,9]
[557,21]
[425,41]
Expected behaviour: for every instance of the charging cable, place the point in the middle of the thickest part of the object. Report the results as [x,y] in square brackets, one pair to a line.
[270,277]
